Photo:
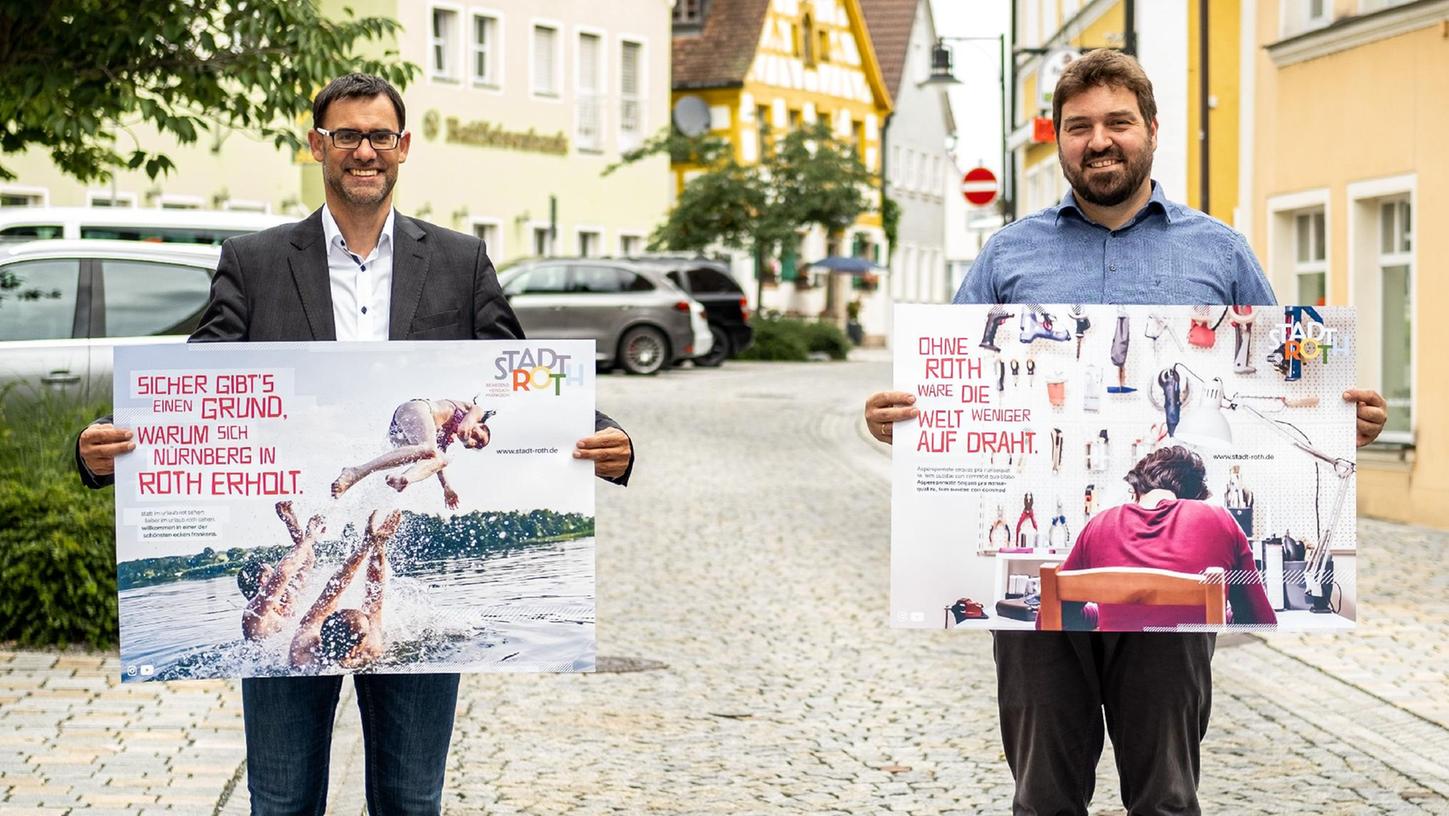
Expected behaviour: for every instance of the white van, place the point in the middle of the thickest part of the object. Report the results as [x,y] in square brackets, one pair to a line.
[207,227]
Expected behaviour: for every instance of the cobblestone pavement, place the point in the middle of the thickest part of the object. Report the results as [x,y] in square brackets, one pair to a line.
[745,574]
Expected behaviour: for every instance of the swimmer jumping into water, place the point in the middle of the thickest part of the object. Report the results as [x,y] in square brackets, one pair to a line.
[350,638]
[270,591]
[420,434]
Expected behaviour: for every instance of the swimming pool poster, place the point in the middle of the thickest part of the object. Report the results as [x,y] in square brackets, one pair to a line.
[1110,468]
[306,508]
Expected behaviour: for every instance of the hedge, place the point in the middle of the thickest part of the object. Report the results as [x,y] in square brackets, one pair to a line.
[57,538]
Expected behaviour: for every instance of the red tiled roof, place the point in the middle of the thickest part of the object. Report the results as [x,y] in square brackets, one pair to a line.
[889,23]
[720,54]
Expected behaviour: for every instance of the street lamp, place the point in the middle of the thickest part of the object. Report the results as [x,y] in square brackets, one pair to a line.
[942,74]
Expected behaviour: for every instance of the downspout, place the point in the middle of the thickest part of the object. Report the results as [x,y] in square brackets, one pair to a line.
[1008,210]
[1203,99]
[1129,28]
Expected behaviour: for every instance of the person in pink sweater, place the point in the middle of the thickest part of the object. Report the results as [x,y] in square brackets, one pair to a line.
[1168,526]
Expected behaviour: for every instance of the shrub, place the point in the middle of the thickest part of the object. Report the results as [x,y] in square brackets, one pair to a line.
[827,338]
[778,340]
[57,539]
[789,339]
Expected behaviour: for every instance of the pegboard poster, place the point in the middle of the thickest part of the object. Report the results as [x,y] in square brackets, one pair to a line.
[1124,468]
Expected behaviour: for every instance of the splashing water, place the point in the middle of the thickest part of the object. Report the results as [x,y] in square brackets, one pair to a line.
[529,608]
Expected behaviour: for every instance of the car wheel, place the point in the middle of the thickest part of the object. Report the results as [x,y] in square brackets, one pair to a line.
[718,352]
[643,350]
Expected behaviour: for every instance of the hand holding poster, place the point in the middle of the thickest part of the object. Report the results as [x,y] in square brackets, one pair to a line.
[1124,468]
[319,508]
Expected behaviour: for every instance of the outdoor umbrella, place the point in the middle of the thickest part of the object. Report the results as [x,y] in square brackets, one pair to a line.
[848,266]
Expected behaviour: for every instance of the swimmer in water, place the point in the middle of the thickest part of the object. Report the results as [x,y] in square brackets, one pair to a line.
[349,638]
[270,591]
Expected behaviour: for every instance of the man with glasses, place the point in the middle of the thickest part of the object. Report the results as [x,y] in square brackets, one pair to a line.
[354,270]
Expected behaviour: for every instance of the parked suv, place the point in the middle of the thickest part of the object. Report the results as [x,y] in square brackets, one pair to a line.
[636,317]
[710,283]
[64,306]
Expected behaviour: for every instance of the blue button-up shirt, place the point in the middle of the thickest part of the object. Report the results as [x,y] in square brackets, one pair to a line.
[1167,254]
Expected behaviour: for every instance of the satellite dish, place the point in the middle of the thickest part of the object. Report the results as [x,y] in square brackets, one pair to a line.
[691,115]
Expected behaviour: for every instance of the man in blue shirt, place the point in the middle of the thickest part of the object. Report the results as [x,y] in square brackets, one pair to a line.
[1115,238]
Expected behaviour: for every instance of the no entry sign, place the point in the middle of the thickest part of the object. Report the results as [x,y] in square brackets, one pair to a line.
[979,186]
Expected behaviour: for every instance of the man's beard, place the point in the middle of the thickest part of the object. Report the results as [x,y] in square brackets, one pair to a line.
[1109,192]
[358,198]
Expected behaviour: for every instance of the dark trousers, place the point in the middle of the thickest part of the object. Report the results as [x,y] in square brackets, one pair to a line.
[1053,690]
[407,722]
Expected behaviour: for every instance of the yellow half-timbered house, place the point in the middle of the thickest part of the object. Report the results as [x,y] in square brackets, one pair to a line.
[767,66]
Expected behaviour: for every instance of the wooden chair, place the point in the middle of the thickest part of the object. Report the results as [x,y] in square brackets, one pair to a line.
[1132,585]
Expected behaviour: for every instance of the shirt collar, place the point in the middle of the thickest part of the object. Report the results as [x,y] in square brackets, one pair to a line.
[1158,201]
[333,233]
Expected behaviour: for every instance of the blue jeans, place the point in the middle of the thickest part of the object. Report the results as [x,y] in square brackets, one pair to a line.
[407,722]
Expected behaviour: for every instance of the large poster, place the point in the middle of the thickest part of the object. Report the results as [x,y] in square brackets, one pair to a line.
[305,508]
[1138,468]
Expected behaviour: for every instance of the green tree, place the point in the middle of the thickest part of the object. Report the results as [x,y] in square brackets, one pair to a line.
[806,177]
[78,73]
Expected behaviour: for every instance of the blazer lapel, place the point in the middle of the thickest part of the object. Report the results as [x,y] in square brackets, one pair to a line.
[308,261]
[410,258]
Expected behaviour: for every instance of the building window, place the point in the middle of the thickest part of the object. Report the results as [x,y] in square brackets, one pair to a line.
[589,243]
[245,205]
[1300,16]
[590,97]
[545,60]
[110,199]
[172,201]
[822,45]
[444,35]
[485,50]
[807,39]
[631,94]
[487,232]
[1395,267]
[1310,265]
[630,245]
[689,12]
[542,242]
[22,198]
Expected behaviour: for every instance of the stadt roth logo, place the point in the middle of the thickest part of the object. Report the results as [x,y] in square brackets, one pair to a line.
[539,370]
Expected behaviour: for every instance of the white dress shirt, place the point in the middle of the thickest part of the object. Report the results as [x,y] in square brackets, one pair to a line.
[361,287]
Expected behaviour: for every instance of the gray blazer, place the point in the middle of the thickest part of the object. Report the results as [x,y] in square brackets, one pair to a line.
[274,286]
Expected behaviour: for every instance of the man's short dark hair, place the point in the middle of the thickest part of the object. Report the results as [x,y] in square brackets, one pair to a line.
[1172,468]
[357,86]
[338,637]
[1104,66]
[249,578]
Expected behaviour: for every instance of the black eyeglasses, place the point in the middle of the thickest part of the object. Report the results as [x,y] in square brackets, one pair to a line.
[352,139]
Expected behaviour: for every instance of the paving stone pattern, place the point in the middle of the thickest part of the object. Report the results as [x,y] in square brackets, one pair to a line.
[745,571]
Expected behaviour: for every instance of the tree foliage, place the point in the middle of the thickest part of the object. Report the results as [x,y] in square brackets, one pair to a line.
[805,177]
[79,75]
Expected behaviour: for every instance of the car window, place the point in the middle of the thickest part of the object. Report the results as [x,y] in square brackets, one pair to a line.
[29,232]
[706,281]
[632,282]
[146,298]
[163,235]
[37,299]
[596,280]
[677,278]
[539,280]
